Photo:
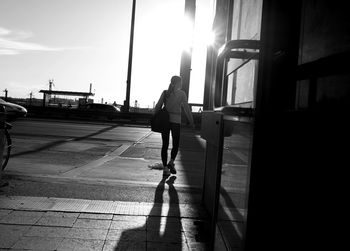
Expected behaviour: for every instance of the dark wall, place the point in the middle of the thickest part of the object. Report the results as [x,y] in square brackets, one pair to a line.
[325,36]
[325,29]
[298,185]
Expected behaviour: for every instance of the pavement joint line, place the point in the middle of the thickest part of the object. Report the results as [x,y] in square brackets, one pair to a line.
[55,204]
[127,146]
[144,137]
[93,181]
[91,165]
[96,163]
[120,150]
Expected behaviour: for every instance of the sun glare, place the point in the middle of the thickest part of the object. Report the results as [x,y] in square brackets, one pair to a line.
[186,34]
[162,34]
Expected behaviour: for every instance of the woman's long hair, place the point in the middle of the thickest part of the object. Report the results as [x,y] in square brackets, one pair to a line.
[174,80]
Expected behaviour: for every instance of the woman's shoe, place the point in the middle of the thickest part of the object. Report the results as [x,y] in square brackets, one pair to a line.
[171,167]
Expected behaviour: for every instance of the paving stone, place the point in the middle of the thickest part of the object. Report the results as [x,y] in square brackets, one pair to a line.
[4,212]
[130,218]
[198,246]
[192,212]
[38,243]
[126,235]
[162,218]
[71,205]
[96,216]
[12,249]
[192,224]
[167,246]
[19,213]
[35,203]
[125,245]
[10,234]
[168,236]
[61,214]
[92,223]
[22,217]
[43,231]
[80,244]
[125,225]
[10,202]
[129,208]
[8,241]
[100,206]
[156,223]
[56,221]
[158,210]
[87,234]
[196,230]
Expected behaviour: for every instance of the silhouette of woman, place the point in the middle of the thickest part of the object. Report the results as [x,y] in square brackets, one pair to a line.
[175,99]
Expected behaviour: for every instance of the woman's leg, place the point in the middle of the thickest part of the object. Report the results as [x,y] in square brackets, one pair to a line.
[165,145]
[175,134]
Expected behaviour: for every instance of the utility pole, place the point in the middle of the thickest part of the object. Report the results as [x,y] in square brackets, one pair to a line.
[51,84]
[6,91]
[30,98]
[131,45]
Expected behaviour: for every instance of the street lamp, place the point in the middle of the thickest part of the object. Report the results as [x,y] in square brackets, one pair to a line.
[131,44]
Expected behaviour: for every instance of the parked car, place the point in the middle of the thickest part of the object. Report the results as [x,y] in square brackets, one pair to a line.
[13,111]
[101,110]
[100,107]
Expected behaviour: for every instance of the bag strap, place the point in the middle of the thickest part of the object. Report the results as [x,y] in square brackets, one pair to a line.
[164,98]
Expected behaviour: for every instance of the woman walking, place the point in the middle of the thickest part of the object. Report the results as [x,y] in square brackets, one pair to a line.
[174,98]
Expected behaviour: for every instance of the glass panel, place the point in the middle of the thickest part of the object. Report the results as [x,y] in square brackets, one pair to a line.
[239,94]
[234,180]
[241,81]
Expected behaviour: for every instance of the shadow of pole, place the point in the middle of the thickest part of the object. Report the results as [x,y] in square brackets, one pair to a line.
[230,226]
[192,153]
[59,142]
[192,157]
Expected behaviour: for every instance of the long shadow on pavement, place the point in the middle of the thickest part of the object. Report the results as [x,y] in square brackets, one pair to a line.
[192,153]
[162,233]
[231,227]
[59,142]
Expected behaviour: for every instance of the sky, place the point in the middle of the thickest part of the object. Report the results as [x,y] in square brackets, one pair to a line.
[79,42]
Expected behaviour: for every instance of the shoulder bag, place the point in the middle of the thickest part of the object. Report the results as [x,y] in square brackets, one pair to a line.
[160,120]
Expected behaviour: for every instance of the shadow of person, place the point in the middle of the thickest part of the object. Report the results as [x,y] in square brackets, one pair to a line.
[159,232]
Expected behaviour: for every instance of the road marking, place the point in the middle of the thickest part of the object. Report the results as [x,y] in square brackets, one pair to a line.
[78,170]
[99,162]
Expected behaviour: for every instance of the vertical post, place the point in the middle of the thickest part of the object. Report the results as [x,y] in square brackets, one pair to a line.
[275,125]
[30,98]
[6,91]
[186,57]
[44,99]
[2,136]
[222,32]
[131,45]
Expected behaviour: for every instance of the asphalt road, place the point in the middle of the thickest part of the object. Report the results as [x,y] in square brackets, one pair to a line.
[55,159]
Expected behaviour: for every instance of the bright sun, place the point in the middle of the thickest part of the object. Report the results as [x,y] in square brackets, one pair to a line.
[161,35]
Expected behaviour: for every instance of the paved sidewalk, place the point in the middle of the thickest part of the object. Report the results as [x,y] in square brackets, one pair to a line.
[165,223]
[39,223]
[130,155]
